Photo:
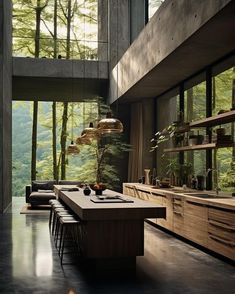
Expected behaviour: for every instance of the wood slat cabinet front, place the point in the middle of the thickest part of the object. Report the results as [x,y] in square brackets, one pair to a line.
[196,222]
[178,215]
[221,231]
[168,221]
[211,227]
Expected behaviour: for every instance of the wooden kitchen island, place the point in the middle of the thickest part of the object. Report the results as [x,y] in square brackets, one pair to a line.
[111,231]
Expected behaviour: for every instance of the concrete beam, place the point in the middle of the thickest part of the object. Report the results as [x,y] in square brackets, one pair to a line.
[59,68]
[182,38]
[57,89]
[58,80]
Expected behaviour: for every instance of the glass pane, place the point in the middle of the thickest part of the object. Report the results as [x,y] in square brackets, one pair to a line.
[224,158]
[57,31]
[195,109]
[166,162]
[153,6]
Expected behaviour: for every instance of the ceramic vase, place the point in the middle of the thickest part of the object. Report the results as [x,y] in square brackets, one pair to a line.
[147,178]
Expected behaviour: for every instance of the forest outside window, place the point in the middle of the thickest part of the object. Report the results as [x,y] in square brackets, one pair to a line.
[48,29]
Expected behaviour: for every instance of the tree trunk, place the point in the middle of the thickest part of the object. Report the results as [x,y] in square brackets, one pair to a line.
[34,141]
[38,11]
[55,172]
[69,18]
[63,139]
[65,112]
[55,29]
[54,149]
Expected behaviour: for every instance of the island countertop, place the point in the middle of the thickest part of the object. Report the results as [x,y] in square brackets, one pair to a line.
[88,210]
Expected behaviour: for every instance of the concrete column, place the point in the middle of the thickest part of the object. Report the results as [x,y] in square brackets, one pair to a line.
[103,30]
[137,17]
[119,29]
[5,103]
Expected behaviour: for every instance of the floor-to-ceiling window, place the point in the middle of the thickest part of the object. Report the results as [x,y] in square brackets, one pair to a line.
[167,112]
[209,93]
[78,167]
[55,29]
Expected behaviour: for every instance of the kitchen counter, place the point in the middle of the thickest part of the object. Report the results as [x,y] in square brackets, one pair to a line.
[209,222]
[220,201]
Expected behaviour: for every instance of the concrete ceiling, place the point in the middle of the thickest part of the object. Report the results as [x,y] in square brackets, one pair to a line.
[211,42]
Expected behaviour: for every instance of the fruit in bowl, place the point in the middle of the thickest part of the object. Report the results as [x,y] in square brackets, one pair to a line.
[98,188]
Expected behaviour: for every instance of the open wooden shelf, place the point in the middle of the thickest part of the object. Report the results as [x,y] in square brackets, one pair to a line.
[222,118]
[199,147]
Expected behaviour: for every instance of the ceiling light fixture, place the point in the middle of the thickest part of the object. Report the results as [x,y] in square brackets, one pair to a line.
[83,140]
[109,125]
[72,149]
[90,132]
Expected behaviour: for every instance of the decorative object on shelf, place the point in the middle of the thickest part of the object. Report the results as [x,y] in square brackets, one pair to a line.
[98,188]
[86,190]
[165,183]
[154,177]
[200,182]
[90,132]
[109,125]
[147,176]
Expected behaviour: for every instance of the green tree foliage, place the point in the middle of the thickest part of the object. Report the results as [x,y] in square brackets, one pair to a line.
[83,29]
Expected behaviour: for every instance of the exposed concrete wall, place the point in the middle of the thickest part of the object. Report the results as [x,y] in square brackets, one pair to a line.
[173,25]
[119,30]
[103,30]
[137,17]
[5,104]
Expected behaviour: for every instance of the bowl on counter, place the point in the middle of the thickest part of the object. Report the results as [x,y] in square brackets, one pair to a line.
[98,188]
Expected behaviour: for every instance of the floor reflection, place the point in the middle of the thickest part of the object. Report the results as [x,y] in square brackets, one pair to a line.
[29,263]
[32,253]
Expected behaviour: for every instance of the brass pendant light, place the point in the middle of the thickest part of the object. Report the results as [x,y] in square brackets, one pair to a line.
[90,132]
[109,125]
[72,149]
[83,140]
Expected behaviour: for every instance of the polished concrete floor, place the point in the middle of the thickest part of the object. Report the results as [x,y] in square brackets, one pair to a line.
[29,263]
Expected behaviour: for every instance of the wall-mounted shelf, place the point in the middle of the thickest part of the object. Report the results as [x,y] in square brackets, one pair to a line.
[199,147]
[222,118]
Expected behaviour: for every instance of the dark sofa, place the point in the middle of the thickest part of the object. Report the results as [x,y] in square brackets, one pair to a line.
[40,192]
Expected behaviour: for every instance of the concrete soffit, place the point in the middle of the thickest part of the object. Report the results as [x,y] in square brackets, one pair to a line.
[58,80]
[182,38]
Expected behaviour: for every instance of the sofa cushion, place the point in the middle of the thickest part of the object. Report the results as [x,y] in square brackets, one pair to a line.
[42,185]
[42,196]
[65,182]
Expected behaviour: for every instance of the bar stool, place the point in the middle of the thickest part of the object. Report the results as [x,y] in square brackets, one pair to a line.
[54,203]
[55,210]
[58,215]
[69,231]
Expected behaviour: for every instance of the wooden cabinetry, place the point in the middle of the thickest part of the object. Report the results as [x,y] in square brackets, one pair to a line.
[221,231]
[168,221]
[195,222]
[178,215]
[211,227]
